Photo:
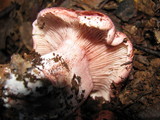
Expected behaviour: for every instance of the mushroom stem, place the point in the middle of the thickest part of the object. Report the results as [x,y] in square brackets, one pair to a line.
[55,78]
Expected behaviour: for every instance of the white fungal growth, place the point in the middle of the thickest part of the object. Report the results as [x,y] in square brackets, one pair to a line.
[23,87]
[15,87]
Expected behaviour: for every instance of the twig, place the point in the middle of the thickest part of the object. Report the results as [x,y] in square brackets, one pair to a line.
[147,50]
[102,4]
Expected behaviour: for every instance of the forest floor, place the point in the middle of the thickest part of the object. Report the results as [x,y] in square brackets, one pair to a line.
[139,96]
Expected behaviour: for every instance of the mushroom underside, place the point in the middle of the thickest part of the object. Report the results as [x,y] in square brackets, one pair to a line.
[63,31]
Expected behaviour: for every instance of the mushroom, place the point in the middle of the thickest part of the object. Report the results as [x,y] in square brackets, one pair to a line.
[85,35]
[80,54]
